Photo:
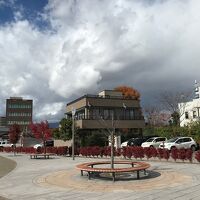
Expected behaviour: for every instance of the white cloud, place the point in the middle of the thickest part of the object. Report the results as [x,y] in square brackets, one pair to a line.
[51,109]
[96,44]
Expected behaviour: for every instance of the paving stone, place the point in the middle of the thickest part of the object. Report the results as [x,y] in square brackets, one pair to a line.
[37,180]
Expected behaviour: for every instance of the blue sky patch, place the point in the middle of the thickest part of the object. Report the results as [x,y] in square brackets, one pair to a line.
[29,10]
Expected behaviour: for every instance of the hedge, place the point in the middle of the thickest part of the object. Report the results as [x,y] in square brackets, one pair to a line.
[126,152]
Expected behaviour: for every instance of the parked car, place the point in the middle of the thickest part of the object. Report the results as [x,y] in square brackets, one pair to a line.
[179,143]
[49,143]
[136,141]
[17,145]
[154,142]
[124,144]
[36,146]
[5,143]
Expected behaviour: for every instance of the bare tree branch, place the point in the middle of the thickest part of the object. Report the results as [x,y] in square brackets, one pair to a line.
[170,100]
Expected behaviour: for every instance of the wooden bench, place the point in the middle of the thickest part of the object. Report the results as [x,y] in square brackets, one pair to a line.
[41,155]
[135,167]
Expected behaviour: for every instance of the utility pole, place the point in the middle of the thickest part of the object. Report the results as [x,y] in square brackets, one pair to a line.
[73,132]
[112,142]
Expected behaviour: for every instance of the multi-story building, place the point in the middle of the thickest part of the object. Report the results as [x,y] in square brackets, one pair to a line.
[19,111]
[3,121]
[4,132]
[190,111]
[107,110]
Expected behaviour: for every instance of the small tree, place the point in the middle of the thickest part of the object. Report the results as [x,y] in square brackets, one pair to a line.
[175,119]
[41,131]
[189,154]
[197,155]
[166,154]
[64,132]
[128,92]
[66,129]
[14,135]
[96,139]
[156,117]
[174,153]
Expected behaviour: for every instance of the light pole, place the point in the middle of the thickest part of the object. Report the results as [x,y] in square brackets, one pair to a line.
[73,132]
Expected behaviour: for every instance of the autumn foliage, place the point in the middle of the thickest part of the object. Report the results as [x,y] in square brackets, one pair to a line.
[197,155]
[128,92]
[14,133]
[41,131]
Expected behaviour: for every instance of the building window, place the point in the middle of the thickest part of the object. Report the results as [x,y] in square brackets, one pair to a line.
[106,114]
[186,115]
[131,114]
[127,114]
[194,114]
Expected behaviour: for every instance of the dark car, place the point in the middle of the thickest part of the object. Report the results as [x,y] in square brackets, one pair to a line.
[136,141]
[49,143]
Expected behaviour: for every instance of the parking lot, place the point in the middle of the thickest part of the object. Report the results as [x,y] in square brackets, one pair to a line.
[57,178]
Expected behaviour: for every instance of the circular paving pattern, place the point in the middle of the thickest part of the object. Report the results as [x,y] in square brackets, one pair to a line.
[72,179]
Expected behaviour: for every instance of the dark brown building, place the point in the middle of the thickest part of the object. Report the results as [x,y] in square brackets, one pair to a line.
[95,112]
[19,111]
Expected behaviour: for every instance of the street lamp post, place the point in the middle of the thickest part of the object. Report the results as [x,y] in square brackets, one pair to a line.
[73,132]
[112,142]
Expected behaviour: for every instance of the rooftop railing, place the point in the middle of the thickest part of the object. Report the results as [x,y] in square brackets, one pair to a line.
[102,97]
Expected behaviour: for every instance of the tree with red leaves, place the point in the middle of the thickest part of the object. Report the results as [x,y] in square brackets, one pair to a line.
[197,155]
[14,135]
[128,92]
[41,131]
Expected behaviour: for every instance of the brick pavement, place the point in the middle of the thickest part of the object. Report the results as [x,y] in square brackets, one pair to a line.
[58,179]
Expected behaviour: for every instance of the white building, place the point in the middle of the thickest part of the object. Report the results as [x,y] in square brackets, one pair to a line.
[190,111]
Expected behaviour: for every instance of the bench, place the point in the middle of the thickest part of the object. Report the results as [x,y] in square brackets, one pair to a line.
[135,167]
[41,155]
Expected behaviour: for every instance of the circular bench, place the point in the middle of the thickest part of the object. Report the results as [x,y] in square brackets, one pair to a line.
[134,167]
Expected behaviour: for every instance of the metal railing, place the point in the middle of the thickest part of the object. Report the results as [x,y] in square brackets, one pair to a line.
[97,117]
[101,97]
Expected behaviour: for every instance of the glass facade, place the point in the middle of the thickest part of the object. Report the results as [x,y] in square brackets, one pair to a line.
[19,111]
[108,113]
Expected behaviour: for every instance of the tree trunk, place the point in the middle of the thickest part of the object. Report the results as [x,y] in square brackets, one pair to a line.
[112,150]
[45,149]
[14,149]
[112,143]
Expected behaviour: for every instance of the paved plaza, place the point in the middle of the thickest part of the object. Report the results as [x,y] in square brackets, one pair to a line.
[57,178]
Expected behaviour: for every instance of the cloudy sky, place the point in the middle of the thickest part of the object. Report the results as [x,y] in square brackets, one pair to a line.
[54,51]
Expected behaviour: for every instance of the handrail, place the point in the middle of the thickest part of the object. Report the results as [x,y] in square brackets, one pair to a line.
[102,97]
